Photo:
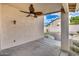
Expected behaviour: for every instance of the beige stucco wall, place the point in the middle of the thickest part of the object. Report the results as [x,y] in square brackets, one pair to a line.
[25,30]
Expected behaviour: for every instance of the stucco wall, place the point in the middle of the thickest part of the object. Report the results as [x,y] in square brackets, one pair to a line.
[25,30]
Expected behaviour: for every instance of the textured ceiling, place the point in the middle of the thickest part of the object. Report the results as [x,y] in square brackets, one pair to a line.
[44,7]
[72,7]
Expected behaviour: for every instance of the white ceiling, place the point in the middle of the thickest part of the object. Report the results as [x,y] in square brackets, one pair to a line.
[44,7]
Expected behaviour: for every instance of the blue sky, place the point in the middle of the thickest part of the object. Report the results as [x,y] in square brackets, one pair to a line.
[50,17]
[73,14]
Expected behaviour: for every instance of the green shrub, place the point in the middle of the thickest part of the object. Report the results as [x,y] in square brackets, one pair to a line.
[74,20]
[75,49]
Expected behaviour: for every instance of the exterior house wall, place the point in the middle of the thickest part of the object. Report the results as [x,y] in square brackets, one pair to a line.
[25,30]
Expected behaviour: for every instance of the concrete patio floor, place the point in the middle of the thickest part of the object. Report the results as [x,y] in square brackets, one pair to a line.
[41,47]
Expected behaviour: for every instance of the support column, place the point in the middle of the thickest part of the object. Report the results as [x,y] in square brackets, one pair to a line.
[65,31]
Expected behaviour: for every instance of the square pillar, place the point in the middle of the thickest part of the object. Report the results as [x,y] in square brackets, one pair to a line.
[65,43]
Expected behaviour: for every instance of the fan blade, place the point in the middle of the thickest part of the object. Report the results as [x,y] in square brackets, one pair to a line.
[52,12]
[23,11]
[27,15]
[38,13]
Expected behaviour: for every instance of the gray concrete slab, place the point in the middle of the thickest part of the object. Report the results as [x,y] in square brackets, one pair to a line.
[41,47]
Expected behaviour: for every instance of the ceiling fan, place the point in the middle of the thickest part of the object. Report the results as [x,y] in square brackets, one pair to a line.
[32,11]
